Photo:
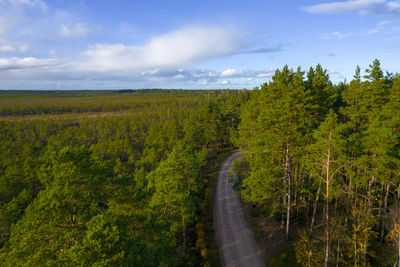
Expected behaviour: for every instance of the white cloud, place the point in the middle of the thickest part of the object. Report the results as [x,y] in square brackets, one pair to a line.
[16,63]
[224,82]
[9,48]
[150,72]
[50,73]
[210,76]
[77,30]
[164,60]
[336,72]
[179,76]
[177,48]
[385,28]
[234,73]
[356,6]
[54,69]
[338,35]
[231,72]
[379,28]
[265,74]
[342,7]
[25,3]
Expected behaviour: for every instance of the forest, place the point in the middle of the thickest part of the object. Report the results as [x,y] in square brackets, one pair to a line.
[324,160]
[126,178]
[110,178]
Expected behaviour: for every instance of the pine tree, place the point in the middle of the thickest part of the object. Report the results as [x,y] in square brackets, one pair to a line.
[282,123]
[321,91]
[328,160]
[175,184]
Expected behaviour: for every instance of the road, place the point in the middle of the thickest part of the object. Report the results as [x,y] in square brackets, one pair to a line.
[236,242]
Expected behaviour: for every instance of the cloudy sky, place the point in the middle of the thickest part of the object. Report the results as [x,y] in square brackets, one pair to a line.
[103,44]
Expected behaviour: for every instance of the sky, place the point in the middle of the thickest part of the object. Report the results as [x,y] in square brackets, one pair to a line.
[188,44]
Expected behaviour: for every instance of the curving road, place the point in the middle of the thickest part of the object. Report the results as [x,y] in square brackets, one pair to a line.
[236,242]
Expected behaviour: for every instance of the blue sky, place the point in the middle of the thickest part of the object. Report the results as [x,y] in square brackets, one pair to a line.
[102,44]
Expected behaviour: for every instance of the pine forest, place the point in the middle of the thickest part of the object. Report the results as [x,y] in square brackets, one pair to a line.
[128,177]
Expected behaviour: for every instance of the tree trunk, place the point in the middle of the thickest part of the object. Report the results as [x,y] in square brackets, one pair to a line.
[327,240]
[380,207]
[384,207]
[296,182]
[314,211]
[287,167]
[369,209]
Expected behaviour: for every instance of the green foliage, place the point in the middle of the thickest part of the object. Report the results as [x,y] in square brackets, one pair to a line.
[277,117]
[309,252]
[107,178]
[107,242]
[53,221]
[175,185]
[118,178]
[346,137]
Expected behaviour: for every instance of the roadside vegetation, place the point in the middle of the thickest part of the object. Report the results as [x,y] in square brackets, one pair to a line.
[323,161]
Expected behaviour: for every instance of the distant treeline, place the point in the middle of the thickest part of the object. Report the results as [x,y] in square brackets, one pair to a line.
[21,103]
[68,93]
[88,92]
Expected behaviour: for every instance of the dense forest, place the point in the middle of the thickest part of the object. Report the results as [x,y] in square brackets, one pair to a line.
[116,178]
[125,178]
[325,159]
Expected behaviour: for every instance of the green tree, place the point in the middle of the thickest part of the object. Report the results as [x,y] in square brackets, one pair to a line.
[321,90]
[275,146]
[176,185]
[54,221]
[327,153]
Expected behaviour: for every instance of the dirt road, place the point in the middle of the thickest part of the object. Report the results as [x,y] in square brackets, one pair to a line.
[236,242]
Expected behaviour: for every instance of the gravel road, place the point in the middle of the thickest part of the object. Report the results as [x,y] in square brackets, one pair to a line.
[236,242]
